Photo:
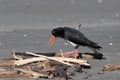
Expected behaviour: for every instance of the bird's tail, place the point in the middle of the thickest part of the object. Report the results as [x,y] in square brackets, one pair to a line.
[96,46]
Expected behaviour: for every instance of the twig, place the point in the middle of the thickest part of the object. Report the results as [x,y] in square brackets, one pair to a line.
[16,57]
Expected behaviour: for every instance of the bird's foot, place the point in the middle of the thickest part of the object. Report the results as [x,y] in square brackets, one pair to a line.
[73,53]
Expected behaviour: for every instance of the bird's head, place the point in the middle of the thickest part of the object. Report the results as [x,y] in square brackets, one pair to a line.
[57,32]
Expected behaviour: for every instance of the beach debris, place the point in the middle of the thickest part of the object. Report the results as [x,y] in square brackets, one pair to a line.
[111,67]
[29,64]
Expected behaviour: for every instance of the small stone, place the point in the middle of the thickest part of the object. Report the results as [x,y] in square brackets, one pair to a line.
[71,70]
[110,44]
[25,35]
[79,68]
[61,72]
[66,43]
[61,50]
[101,72]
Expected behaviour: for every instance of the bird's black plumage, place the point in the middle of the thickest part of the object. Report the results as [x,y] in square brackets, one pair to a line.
[75,36]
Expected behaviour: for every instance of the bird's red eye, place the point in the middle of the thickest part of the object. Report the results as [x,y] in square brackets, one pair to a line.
[53,32]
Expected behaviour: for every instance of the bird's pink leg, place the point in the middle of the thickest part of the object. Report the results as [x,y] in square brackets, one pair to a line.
[73,53]
[76,54]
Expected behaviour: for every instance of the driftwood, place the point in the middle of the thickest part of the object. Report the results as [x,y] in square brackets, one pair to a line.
[62,59]
[30,60]
[51,58]
[37,65]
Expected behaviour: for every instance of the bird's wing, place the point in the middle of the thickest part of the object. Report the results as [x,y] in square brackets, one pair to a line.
[77,37]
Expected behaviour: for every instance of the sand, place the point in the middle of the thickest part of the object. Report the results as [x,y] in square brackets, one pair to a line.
[35,40]
[25,25]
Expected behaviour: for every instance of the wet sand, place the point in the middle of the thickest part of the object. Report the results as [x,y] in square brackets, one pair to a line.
[35,40]
[33,21]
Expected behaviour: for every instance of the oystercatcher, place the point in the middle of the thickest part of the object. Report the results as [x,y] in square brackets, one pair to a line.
[74,37]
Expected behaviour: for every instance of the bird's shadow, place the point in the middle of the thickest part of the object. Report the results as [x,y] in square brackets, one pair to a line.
[99,56]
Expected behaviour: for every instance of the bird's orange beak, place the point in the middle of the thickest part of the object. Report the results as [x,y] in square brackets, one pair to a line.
[51,40]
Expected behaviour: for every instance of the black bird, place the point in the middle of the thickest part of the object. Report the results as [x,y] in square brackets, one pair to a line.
[75,37]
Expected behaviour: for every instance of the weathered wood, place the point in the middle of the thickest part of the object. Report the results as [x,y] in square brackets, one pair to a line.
[51,58]
[29,60]
[71,59]
[37,66]
[62,59]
